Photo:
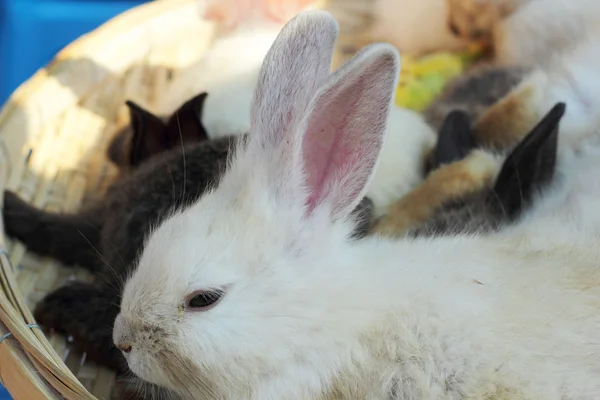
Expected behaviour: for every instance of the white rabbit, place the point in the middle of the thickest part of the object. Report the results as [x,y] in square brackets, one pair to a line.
[256,292]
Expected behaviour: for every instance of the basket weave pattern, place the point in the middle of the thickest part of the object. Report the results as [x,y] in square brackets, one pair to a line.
[53,134]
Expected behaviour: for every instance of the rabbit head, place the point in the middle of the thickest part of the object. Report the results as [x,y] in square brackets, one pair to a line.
[230,296]
[149,135]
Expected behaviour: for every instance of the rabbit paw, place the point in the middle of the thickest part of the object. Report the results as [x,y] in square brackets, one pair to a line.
[86,313]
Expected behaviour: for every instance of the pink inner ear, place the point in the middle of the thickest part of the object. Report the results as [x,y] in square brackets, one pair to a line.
[342,143]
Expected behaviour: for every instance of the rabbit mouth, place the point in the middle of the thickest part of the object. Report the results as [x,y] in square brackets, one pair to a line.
[148,369]
[181,375]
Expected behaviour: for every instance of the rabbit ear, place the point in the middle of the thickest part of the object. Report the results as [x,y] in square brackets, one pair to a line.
[298,62]
[320,146]
[186,123]
[148,133]
[344,129]
[119,150]
[529,166]
[454,140]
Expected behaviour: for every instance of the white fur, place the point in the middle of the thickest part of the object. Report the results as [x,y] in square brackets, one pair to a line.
[540,28]
[399,170]
[309,314]
[228,72]
[570,77]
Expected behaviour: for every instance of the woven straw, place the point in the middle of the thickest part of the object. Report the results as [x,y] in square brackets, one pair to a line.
[54,132]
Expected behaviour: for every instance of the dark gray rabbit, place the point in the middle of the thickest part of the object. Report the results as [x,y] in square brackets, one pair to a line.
[107,237]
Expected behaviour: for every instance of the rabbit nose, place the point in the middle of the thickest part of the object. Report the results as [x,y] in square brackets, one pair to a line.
[122,336]
[125,348]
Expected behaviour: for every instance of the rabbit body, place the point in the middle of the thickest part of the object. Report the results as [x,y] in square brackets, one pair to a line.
[539,28]
[297,311]
[425,325]
[474,92]
[525,32]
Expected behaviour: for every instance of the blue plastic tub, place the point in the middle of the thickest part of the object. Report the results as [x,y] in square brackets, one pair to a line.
[33,31]
[4,394]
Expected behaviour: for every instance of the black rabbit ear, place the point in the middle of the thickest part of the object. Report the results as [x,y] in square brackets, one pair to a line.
[454,140]
[119,149]
[148,134]
[530,166]
[186,123]
[364,214]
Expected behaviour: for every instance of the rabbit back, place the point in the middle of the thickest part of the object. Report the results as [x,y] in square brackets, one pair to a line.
[474,92]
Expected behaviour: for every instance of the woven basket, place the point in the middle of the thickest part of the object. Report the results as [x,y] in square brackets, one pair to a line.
[54,132]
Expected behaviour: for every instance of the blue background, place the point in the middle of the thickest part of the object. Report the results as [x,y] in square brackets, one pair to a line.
[33,31]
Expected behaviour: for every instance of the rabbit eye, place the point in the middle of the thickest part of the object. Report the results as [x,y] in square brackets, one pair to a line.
[203,299]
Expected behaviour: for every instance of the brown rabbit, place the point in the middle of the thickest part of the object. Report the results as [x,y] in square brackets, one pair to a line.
[478,193]
[504,123]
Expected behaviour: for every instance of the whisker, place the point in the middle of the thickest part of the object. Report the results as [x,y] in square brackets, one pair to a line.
[184,161]
[100,256]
